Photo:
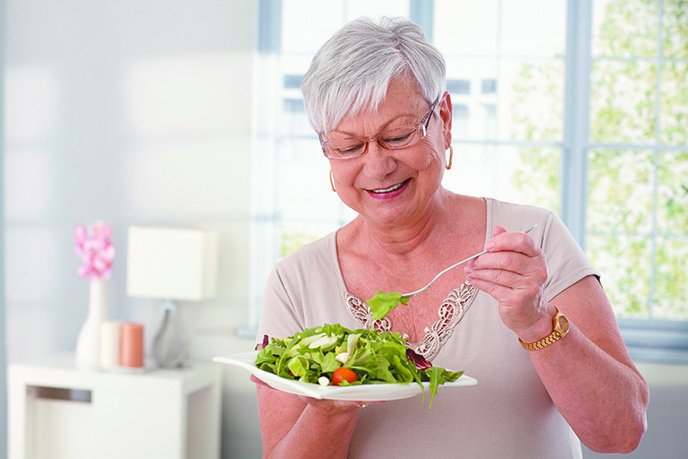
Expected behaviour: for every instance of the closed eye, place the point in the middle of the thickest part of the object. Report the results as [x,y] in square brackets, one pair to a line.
[349,149]
[398,137]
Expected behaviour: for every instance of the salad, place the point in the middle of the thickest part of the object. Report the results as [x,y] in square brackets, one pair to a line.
[333,354]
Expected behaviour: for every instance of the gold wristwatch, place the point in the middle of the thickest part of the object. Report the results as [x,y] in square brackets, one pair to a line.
[560,327]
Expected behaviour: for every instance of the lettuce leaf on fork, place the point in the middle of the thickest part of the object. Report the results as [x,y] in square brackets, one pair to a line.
[383,303]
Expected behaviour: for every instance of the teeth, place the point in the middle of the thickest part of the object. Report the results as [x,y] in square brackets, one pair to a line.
[391,188]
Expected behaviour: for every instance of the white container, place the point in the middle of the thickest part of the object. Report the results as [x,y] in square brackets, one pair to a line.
[109,344]
[88,343]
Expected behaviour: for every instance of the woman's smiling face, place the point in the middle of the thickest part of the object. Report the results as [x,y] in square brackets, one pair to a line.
[390,187]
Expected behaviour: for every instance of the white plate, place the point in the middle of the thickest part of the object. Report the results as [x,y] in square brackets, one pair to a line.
[362,392]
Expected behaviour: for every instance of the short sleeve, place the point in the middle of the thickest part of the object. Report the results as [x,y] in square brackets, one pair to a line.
[278,315]
[566,261]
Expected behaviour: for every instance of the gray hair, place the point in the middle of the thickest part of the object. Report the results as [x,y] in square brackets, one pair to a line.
[352,70]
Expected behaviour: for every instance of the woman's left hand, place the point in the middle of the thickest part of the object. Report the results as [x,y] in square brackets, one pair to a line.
[514,273]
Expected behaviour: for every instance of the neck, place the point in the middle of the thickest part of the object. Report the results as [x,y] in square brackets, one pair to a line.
[401,240]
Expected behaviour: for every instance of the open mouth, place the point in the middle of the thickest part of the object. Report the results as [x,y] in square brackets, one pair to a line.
[391,189]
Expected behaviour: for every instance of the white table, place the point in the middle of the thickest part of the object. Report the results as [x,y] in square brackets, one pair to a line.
[58,411]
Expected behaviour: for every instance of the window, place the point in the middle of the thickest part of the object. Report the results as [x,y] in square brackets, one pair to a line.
[637,213]
[580,107]
[488,86]
[459,86]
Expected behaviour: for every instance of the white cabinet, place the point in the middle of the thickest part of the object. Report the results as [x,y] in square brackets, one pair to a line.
[58,411]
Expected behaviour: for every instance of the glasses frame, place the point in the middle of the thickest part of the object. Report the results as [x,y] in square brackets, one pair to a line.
[421,129]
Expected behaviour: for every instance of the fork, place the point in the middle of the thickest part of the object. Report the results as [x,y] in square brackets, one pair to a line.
[422,289]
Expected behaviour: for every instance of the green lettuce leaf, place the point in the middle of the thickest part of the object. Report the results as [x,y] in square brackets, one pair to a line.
[383,302]
[437,376]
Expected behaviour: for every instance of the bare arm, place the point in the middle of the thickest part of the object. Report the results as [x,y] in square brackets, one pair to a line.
[590,376]
[588,373]
[293,426]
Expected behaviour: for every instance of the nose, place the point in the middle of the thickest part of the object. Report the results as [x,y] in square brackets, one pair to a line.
[379,162]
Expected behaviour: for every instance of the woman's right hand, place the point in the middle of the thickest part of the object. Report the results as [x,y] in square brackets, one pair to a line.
[333,407]
[304,427]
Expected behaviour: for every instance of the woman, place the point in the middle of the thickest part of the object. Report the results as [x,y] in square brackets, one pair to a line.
[375,96]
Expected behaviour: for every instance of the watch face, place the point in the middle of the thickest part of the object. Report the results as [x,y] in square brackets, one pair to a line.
[563,323]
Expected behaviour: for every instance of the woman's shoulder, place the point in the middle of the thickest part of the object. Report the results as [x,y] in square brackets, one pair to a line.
[514,210]
[514,216]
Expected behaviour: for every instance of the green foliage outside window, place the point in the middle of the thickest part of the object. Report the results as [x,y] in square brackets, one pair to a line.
[539,176]
[292,240]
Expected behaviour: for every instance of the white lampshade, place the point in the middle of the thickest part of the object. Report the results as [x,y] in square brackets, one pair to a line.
[171,263]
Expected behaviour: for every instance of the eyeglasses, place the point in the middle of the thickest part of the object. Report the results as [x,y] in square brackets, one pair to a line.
[393,139]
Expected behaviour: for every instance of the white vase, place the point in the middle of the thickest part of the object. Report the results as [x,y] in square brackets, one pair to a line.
[88,343]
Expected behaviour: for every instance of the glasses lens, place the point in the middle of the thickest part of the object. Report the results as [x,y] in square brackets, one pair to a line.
[398,138]
[344,149]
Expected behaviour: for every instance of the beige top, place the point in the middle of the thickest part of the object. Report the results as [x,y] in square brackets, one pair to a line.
[508,414]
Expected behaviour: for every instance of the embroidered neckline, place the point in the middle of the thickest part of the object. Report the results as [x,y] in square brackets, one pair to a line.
[450,313]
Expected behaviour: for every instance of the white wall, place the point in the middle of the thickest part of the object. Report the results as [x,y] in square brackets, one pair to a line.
[133,112]
[667,415]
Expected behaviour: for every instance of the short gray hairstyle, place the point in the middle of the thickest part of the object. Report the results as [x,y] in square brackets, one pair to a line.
[350,73]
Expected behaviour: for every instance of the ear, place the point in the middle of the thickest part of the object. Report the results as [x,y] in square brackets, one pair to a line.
[445,107]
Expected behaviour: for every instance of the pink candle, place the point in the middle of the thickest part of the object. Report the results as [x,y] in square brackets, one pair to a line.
[131,345]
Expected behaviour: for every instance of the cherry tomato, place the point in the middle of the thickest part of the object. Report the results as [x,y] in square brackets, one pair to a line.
[343,374]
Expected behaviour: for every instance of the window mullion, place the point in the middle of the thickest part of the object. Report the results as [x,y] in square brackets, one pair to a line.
[422,13]
[659,59]
[576,116]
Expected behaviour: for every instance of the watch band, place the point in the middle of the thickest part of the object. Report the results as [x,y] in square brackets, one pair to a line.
[556,335]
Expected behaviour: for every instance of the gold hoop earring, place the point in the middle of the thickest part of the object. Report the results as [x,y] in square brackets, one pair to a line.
[332,182]
[451,157]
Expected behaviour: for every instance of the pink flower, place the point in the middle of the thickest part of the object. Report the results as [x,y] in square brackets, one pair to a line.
[95,250]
